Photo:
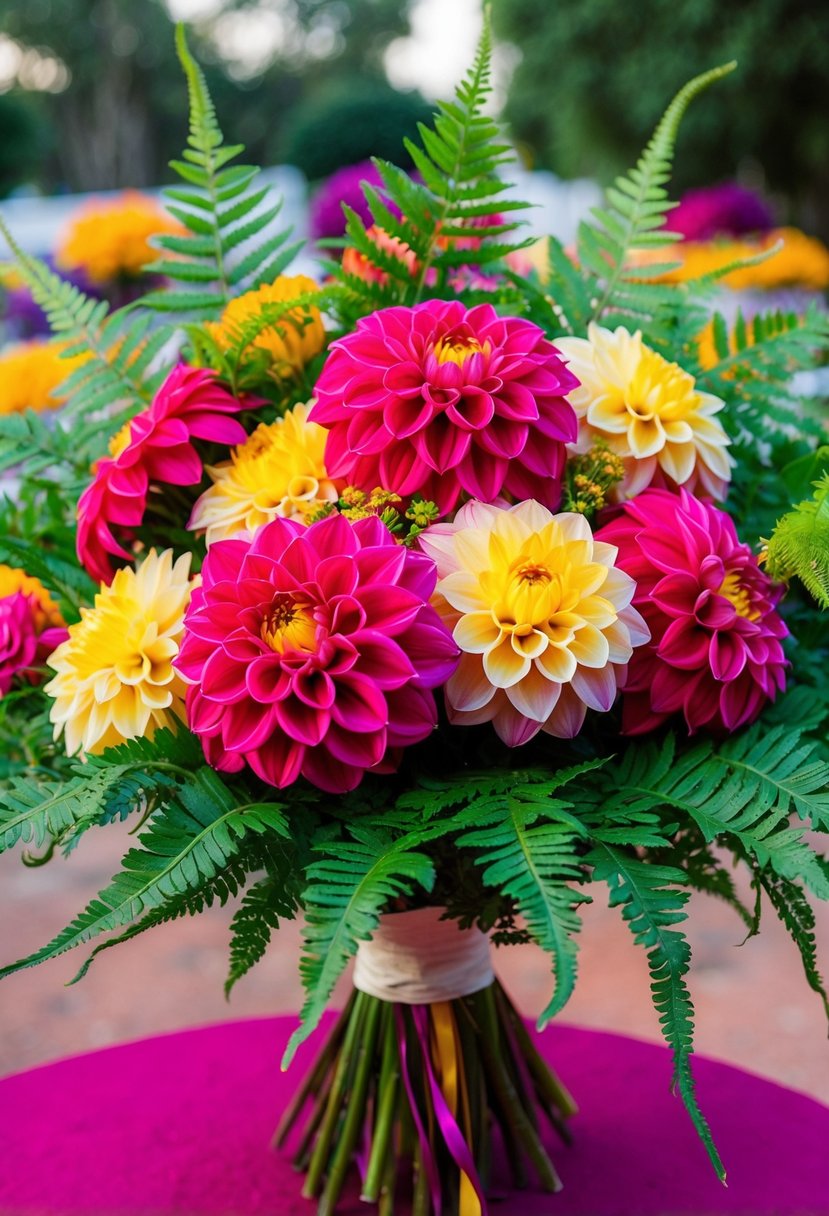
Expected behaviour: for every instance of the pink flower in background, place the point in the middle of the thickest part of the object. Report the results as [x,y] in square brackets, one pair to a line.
[155,446]
[24,643]
[715,652]
[313,651]
[439,401]
[717,211]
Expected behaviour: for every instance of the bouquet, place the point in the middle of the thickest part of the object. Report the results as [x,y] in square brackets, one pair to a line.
[429,604]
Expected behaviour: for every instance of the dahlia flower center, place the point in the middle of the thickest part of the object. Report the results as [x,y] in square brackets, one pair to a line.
[120,441]
[734,590]
[457,348]
[289,625]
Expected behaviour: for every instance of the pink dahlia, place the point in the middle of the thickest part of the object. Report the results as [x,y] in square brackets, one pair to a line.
[26,638]
[439,400]
[715,651]
[155,446]
[313,651]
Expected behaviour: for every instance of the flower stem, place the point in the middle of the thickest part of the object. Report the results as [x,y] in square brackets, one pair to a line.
[386,1108]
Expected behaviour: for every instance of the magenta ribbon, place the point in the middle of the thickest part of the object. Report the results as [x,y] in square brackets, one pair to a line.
[425,1145]
[452,1134]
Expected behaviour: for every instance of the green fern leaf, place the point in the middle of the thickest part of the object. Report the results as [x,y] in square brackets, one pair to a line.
[346,892]
[273,898]
[184,845]
[637,204]
[223,251]
[652,902]
[799,544]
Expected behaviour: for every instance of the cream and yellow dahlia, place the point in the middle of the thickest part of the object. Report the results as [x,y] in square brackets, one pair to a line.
[293,340]
[279,472]
[649,412]
[540,613]
[115,678]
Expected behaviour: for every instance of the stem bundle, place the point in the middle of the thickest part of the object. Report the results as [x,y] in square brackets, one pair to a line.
[410,1096]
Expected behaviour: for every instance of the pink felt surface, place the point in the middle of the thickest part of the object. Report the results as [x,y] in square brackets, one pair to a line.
[180,1126]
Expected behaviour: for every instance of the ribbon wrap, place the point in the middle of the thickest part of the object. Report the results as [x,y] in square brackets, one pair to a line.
[415,958]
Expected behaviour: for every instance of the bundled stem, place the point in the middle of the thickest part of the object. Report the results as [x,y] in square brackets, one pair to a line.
[418,1090]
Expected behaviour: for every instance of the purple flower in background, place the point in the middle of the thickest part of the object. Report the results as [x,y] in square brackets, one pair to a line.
[724,210]
[23,318]
[344,186]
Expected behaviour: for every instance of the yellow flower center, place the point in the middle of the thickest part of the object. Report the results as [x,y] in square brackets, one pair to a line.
[120,441]
[739,595]
[456,349]
[289,625]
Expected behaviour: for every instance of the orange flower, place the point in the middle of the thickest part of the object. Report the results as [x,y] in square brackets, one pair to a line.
[803,261]
[110,238]
[30,374]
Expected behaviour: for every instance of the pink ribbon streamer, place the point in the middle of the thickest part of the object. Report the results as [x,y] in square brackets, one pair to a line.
[425,1145]
[452,1134]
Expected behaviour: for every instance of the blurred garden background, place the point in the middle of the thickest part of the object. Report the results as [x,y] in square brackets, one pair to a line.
[92,101]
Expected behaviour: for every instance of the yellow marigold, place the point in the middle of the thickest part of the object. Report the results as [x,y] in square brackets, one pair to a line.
[46,612]
[648,411]
[292,341]
[115,678]
[278,471]
[803,261]
[30,372]
[110,238]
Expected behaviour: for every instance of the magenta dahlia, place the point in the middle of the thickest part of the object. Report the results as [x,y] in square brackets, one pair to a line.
[156,446]
[313,651]
[440,400]
[715,652]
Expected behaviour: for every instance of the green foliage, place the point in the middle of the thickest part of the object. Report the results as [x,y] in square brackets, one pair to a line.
[274,896]
[458,159]
[633,218]
[118,350]
[799,544]
[795,912]
[223,211]
[188,843]
[756,362]
[652,900]
[347,890]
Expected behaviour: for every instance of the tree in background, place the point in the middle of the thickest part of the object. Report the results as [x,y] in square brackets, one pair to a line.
[119,121]
[594,74]
[24,139]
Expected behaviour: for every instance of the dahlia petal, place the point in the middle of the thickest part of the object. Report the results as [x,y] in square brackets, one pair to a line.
[222,679]
[361,748]
[382,659]
[279,761]
[596,687]
[302,722]
[535,696]
[412,715]
[727,655]
[567,717]
[468,688]
[388,608]
[512,727]
[329,774]
[477,632]
[503,666]
[359,705]
[684,644]
[265,679]
[246,726]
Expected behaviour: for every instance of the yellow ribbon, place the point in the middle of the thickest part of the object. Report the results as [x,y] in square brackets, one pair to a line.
[447,1055]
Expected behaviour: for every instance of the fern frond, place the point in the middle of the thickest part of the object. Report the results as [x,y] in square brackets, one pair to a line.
[459,159]
[799,545]
[347,890]
[796,914]
[223,251]
[185,844]
[637,205]
[107,341]
[652,900]
[275,896]
[69,583]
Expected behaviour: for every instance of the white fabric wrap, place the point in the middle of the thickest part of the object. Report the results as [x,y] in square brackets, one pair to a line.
[415,958]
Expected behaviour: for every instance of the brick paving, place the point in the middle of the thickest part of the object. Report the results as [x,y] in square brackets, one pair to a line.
[754,1008]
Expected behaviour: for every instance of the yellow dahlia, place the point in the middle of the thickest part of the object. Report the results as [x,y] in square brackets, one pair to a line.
[648,411]
[114,674]
[540,613]
[290,342]
[45,611]
[278,471]
[108,239]
[30,374]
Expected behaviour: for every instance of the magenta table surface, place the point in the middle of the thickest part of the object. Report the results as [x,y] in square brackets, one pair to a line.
[180,1126]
